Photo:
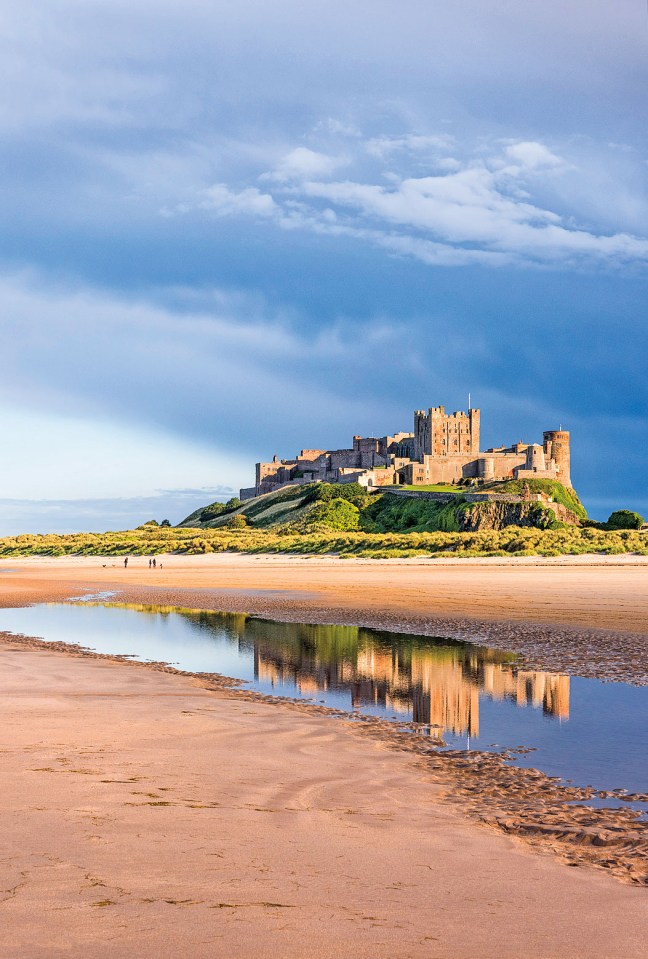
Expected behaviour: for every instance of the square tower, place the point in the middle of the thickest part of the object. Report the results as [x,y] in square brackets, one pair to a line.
[437,433]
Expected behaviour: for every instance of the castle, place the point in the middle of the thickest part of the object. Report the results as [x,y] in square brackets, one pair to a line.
[443,448]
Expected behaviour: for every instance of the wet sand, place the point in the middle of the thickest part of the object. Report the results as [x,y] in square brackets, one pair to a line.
[142,814]
[610,592]
[584,615]
[149,813]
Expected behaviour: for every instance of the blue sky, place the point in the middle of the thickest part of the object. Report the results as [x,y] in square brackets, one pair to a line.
[235,229]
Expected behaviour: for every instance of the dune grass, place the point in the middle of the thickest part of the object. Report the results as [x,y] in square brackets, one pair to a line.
[512,541]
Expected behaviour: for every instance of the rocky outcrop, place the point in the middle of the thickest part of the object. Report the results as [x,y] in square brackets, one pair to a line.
[498,515]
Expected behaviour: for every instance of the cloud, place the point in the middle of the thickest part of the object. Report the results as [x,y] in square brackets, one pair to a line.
[533,155]
[114,113]
[430,146]
[480,209]
[166,63]
[438,254]
[303,164]
[473,206]
[75,448]
[223,375]
[225,202]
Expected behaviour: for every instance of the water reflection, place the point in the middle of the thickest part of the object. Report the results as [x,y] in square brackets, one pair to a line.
[437,685]
[434,682]
[463,694]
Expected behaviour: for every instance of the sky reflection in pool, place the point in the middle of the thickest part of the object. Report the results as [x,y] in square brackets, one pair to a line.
[582,730]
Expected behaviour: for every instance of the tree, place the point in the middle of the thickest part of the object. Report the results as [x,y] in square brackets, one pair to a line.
[352,492]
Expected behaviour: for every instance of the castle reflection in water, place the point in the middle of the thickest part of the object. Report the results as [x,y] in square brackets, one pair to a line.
[436,683]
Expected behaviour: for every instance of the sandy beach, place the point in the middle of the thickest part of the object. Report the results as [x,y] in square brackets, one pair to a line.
[609,592]
[583,613]
[150,813]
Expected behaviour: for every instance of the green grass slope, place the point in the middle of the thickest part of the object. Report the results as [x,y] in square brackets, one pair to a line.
[262,511]
[348,506]
[297,508]
[389,513]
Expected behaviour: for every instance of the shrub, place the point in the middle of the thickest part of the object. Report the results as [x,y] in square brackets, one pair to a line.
[237,522]
[211,512]
[200,546]
[625,519]
[214,510]
[336,538]
[351,492]
[337,514]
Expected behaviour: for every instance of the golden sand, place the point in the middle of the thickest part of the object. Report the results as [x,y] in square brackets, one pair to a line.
[146,814]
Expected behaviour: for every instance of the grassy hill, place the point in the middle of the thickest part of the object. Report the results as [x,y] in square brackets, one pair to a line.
[285,507]
[346,507]
[345,520]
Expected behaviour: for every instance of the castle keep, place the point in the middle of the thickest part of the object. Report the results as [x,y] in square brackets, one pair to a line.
[443,448]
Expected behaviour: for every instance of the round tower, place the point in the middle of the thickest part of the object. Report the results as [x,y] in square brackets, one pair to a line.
[556,444]
[535,458]
[486,468]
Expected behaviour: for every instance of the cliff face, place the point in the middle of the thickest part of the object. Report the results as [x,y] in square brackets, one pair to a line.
[498,515]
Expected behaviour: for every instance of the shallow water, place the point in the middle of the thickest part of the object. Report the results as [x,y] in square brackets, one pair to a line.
[584,731]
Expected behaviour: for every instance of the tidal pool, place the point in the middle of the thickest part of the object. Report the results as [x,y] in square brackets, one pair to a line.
[586,732]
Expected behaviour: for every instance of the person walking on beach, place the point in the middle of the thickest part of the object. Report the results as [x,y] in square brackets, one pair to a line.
[150,563]
[125,562]
[154,563]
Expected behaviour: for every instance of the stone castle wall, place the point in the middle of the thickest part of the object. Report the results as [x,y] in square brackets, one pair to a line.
[443,448]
